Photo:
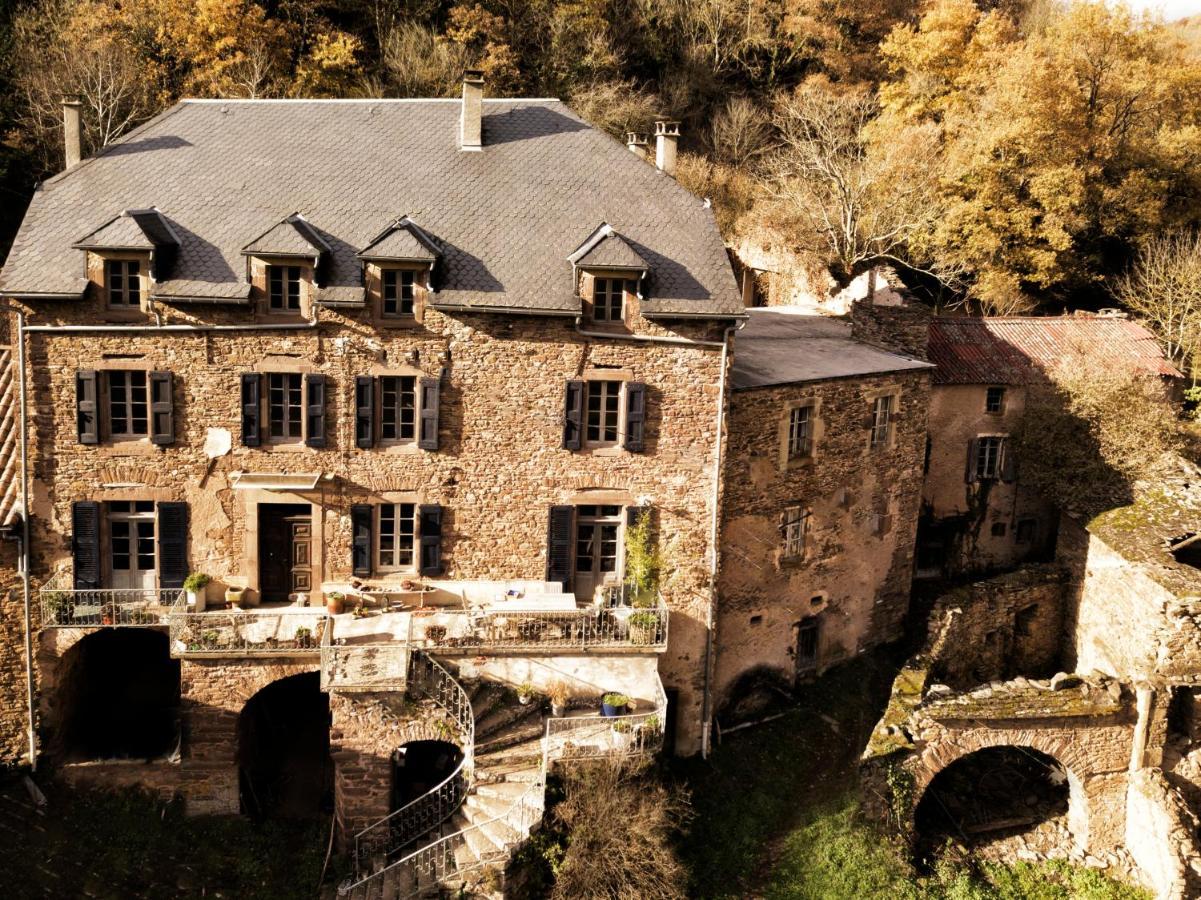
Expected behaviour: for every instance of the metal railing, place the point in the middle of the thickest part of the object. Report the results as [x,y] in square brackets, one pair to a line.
[367,666]
[595,737]
[242,633]
[578,629]
[397,830]
[63,606]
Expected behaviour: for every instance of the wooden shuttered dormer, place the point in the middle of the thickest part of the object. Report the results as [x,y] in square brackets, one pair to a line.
[172,544]
[559,544]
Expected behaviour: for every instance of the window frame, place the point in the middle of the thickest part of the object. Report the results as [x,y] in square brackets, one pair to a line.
[795,453]
[414,537]
[403,278]
[109,432]
[131,290]
[284,270]
[984,455]
[794,532]
[616,287]
[131,516]
[268,438]
[595,521]
[880,433]
[380,409]
[608,387]
[1000,400]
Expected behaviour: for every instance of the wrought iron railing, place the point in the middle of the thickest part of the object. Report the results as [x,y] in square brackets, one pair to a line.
[593,737]
[63,606]
[362,664]
[244,633]
[394,832]
[577,629]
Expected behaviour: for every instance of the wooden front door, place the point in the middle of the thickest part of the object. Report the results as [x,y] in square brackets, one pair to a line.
[285,551]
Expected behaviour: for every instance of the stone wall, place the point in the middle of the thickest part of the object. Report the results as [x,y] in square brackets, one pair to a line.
[900,327]
[14,704]
[855,573]
[1001,628]
[498,469]
[1161,836]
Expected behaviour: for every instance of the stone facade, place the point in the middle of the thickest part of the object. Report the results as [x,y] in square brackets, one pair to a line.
[893,321]
[854,574]
[14,704]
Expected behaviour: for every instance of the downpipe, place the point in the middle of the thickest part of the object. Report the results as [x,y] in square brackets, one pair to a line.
[23,555]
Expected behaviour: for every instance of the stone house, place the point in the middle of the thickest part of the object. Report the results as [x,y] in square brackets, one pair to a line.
[820,499]
[977,515]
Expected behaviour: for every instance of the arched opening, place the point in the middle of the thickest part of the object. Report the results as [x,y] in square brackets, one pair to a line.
[284,767]
[420,766]
[995,794]
[118,696]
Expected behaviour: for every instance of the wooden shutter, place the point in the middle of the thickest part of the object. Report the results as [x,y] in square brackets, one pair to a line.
[85,544]
[573,417]
[361,525]
[634,514]
[635,416]
[172,544]
[162,408]
[1008,461]
[427,430]
[559,542]
[252,409]
[429,528]
[973,448]
[315,410]
[364,412]
[87,422]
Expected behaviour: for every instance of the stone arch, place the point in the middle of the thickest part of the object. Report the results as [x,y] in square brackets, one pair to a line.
[936,758]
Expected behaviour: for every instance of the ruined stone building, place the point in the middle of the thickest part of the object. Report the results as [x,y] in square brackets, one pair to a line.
[821,495]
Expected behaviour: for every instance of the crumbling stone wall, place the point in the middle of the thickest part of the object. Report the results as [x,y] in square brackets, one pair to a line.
[14,706]
[1161,836]
[1000,628]
[901,327]
[856,570]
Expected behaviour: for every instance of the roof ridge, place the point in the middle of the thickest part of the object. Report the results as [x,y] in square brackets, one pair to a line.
[228,100]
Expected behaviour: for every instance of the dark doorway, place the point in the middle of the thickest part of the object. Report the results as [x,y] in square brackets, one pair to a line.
[285,550]
[420,766]
[118,696]
[992,793]
[284,767]
[806,645]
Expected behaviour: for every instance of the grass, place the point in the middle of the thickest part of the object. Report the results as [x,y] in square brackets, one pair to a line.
[129,845]
[776,815]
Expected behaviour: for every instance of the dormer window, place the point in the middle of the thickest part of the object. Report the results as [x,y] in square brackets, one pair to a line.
[608,298]
[283,289]
[398,290]
[123,283]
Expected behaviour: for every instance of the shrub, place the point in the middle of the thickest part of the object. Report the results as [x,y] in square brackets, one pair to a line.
[196,582]
[615,700]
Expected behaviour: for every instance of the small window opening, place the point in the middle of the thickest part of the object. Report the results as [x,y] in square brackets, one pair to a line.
[283,288]
[123,283]
[756,620]
[1023,622]
[806,644]
[994,401]
[998,529]
[1026,531]
[398,292]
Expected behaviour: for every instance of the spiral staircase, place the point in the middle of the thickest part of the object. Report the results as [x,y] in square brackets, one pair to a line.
[460,835]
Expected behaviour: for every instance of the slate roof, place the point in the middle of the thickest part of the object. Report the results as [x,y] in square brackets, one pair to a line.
[506,218]
[780,346]
[137,229]
[606,249]
[403,240]
[1019,349]
[292,237]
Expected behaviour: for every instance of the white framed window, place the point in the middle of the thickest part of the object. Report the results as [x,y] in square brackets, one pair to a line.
[988,462]
[800,432]
[881,421]
[285,407]
[128,405]
[283,289]
[123,283]
[396,537]
[602,413]
[398,292]
[794,528]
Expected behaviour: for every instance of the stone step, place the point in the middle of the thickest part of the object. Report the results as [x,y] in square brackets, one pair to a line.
[485,807]
[506,791]
[516,767]
[503,716]
[490,696]
[513,735]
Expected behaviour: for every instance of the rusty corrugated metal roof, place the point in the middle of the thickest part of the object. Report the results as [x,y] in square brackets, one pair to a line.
[1018,349]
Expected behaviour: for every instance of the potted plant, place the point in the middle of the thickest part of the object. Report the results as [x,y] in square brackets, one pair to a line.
[233,596]
[525,693]
[615,704]
[334,602]
[304,637]
[58,607]
[194,586]
[559,694]
[644,626]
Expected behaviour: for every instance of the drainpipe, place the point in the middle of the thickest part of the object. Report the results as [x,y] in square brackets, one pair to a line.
[23,558]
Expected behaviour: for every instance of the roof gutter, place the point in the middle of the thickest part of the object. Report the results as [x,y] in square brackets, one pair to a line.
[171,329]
[40,295]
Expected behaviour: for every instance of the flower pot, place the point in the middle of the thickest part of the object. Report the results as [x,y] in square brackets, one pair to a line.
[524,699]
[608,710]
[233,596]
[558,710]
[196,601]
[334,604]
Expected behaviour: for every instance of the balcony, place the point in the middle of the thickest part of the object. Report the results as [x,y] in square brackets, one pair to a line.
[288,632]
[352,661]
[63,606]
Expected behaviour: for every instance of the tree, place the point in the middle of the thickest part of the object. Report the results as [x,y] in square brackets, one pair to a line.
[853,201]
[418,64]
[1163,287]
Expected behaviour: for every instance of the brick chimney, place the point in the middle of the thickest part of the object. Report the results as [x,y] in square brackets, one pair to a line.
[72,132]
[638,144]
[667,134]
[471,120]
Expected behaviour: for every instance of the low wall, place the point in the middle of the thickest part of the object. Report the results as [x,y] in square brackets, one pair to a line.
[1159,835]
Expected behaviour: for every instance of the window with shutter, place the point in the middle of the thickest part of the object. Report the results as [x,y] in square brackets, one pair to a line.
[635,416]
[87,423]
[172,544]
[128,406]
[428,438]
[573,416]
[970,470]
[315,424]
[361,515]
[162,408]
[559,545]
[397,409]
[284,404]
[85,544]
[364,412]
[430,530]
[252,411]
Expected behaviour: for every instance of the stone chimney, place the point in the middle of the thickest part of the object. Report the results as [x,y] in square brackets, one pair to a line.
[638,144]
[667,135]
[72,132]
[471,120]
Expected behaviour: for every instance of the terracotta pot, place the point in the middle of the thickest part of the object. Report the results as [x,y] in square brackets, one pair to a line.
[233,596]
[334,605]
